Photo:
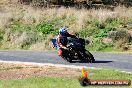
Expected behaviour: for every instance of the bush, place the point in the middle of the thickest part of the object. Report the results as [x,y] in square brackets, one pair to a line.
[45,28]
[24,35]
[87,32]
[17,26]
[98,45]
[120,35]
[21,35]
[95,32]
[1,35]
[40,3]
[102,33]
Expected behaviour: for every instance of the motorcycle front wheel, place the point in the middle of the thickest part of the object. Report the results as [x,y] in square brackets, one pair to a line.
[89,57]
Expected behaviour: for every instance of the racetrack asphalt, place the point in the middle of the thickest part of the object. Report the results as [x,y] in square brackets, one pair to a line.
[118,61]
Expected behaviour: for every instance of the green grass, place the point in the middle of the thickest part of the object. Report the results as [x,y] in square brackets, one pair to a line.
[63,82]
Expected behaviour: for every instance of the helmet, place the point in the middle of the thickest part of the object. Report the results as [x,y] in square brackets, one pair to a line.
[63,31]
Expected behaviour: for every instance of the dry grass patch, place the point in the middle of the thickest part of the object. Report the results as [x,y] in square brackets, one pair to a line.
[20,71]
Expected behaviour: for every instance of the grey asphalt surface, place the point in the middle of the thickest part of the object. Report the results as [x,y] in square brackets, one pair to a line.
[119,61]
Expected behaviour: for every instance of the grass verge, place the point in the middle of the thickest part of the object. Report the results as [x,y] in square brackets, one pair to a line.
[54,77]
[29,28]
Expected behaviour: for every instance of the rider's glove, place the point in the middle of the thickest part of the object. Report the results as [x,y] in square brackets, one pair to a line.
[64,47]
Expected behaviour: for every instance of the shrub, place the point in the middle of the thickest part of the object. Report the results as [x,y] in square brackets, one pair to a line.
[40,3]
[99,45]
[87,32]
[22,35]
[121,34]
[45,28]
[1,35]
[17,26]
[102,33]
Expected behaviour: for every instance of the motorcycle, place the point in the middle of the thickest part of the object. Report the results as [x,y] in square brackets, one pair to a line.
[75,51]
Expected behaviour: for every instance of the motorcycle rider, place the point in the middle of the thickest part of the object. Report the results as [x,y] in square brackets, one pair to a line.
[62,38]
[68,54]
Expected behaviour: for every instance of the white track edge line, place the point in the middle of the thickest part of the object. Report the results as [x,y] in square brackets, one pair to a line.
[48,64]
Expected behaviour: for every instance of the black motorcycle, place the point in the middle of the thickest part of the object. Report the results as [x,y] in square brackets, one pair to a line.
[76,51]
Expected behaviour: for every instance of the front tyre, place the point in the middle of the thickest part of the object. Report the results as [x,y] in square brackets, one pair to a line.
[65,55]
[89,57]
[67,58]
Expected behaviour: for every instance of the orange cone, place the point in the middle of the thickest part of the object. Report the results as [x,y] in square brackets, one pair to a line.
[84,74]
